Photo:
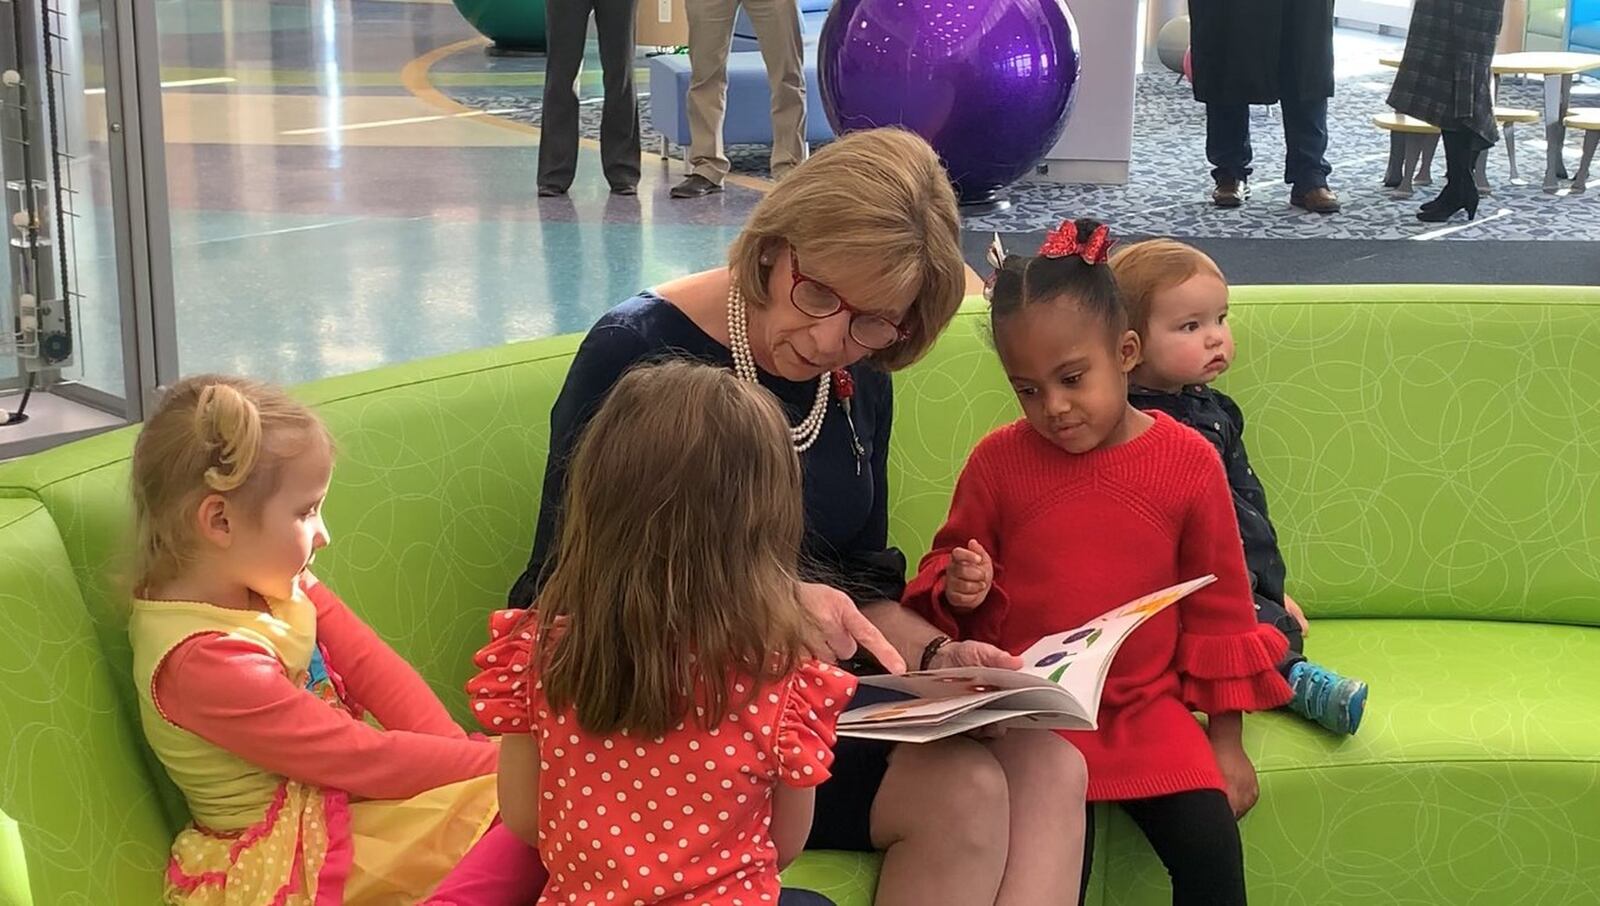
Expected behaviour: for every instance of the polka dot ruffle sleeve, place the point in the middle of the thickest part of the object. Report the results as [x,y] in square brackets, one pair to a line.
[500,692]
[817,694]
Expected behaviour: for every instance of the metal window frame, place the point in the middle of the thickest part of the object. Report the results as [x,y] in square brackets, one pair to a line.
[140,218]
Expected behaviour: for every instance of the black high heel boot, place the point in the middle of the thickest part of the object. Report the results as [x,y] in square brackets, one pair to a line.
[1461,185]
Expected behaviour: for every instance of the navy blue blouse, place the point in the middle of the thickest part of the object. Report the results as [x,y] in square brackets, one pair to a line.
[846,498]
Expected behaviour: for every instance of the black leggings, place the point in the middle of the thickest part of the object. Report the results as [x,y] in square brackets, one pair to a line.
[1197,839]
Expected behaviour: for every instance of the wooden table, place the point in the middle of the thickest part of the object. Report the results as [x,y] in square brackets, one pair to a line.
[1558,69]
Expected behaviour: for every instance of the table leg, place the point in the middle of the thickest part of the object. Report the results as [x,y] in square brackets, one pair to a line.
[1591,142]
[1554,132]
[1566,110]
[1412,148]
[1424,175]
[1397,146]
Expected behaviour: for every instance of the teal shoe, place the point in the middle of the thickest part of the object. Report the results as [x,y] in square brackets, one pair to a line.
[1334,701]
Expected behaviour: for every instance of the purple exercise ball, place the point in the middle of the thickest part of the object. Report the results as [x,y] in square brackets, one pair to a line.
[989,83]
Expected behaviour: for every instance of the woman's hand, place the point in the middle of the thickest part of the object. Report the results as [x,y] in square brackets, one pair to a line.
[969,576]
[843,628]
[974,654]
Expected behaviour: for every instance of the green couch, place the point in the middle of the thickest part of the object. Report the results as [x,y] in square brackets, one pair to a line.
[1434,462]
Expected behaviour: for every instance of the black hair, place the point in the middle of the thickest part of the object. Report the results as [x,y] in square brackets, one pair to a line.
[1024,280]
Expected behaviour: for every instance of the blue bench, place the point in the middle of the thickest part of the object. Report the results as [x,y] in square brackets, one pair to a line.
[749,112]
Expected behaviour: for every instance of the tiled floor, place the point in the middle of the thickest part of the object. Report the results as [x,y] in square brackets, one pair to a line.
[332,210]
[334,205]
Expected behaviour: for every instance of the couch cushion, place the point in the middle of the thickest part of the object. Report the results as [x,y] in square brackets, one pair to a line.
[1423,448]
[1475,778]
[849,879]
[87,821]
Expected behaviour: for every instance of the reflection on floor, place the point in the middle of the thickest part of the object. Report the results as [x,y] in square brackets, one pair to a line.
[333,211]
[335,206]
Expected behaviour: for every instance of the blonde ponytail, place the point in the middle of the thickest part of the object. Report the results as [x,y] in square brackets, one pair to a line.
[211,434]
[229,424]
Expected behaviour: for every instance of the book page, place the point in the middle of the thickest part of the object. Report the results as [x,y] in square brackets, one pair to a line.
[918,710]
[1079,659]
[1062,674]
[921,712]
[1010,718]
[951,682]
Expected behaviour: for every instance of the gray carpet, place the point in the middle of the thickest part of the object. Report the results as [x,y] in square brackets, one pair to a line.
[1524,234]
[1254,261]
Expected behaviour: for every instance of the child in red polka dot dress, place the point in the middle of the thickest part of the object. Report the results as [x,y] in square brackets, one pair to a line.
[664,727]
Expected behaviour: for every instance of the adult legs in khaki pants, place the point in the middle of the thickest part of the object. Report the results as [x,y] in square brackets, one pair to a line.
[777,27]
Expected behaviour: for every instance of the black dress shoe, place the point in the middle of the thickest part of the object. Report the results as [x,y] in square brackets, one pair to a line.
[696,186]
[551,191]
[624,189]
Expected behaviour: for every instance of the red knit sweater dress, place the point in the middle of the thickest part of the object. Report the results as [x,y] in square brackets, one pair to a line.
[1073,536]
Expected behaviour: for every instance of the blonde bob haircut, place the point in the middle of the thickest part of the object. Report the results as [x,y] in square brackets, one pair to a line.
[879,195]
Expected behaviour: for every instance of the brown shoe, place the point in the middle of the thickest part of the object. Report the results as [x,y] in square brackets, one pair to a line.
[1320,200]
[1230,193]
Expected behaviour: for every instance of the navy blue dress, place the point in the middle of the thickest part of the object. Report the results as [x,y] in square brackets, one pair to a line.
[846,497]
[846,503]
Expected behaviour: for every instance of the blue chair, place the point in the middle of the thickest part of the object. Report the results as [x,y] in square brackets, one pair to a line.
[748,120]
[1585,34]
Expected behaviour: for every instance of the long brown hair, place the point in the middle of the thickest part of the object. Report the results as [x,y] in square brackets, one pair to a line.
[211,434]
[676,570]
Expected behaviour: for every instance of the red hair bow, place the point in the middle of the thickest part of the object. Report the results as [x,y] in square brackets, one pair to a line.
[1063,242]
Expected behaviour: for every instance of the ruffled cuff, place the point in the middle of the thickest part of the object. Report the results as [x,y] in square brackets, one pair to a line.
[982,622]
[1223,673]
[500,692]
[807,726]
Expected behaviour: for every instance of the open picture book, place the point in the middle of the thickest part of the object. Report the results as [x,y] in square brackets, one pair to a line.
[1058,686]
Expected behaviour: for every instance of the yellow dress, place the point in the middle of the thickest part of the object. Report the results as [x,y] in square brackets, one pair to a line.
[261,839]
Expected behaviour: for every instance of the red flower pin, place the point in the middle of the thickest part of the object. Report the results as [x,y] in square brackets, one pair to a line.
[844,387]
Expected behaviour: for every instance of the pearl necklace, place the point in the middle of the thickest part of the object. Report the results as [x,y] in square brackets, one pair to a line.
[802,435]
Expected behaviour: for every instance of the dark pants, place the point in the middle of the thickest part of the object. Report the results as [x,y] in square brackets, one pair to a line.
[1305,131]
[1276,615]
[1196,837]
[567,29]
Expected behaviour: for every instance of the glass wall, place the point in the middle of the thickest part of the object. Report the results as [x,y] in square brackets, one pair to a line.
[77,353]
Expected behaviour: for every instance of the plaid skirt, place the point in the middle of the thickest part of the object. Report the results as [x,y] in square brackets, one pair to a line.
[1444,77]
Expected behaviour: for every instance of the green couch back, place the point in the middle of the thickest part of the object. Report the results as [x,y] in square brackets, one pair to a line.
[1428,452]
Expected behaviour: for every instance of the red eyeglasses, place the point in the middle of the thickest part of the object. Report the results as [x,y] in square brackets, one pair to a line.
[817,299]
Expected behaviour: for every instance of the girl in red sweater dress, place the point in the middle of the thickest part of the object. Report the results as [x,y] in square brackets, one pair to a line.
[1087,503]
[664,729]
